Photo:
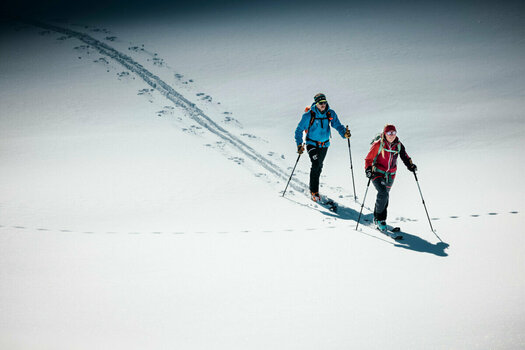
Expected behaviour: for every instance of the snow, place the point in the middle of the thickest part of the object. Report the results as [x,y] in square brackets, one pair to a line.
[130,220]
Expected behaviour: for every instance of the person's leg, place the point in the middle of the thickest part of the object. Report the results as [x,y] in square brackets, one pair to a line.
[317,156]
[383,189]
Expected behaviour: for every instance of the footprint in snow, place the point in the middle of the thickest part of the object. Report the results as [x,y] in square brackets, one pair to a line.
[101,30]
[204,97]
[166,111]
[123,75]
[232,121]
[237,160]
[254,137]
[194,130]
[145,91]
[158,61]
[135,48]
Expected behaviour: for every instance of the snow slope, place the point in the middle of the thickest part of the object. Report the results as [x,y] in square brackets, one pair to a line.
[143,164]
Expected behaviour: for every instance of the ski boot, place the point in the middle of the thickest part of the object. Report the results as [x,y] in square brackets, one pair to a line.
[380,225]
[316,197]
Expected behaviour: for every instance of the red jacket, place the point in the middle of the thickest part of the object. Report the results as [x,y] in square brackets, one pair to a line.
[386,161]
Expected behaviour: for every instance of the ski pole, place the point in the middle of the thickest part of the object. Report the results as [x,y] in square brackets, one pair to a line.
[428,217]
[351,166]
[297,161]
[363,204]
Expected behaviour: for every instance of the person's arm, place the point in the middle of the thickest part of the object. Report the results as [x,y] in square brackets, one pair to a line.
[406,159]
[336,124]
[301,127]
[372,154]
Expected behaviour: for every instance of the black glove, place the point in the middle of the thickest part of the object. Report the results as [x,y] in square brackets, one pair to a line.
[300,149]
[412,168]
[368,172]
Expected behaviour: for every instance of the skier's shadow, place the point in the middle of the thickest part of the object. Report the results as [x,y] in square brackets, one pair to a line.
[410,242]
[418,244]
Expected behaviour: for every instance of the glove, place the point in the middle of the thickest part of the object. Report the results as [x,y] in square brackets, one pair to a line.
[300,149]
[412,168]
[347,133]
[368,172]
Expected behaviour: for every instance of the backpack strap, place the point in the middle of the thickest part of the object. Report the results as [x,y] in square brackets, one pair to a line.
[312,119]
[330,118]
[381,148]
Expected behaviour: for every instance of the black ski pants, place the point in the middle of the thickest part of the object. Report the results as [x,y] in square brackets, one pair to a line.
[317,156]
[383,187]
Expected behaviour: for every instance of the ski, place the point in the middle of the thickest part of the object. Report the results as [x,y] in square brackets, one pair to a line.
[328,204]
[392,232]
[331,205]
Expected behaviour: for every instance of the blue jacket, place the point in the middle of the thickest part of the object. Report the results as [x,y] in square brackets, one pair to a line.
[320,129]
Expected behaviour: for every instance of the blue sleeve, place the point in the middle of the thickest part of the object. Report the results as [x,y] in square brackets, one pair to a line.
[336,124]
[302,126]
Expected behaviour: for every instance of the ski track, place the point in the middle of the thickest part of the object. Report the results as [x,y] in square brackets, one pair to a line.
[194,113]
[171,94]
[202,119]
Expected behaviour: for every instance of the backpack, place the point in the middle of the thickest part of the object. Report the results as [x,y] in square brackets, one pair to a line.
[382,148]
[313,118]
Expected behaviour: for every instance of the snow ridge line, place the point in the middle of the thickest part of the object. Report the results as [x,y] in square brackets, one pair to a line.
[171,94]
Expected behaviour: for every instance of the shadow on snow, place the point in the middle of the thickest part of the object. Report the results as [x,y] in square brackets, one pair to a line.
[409,241]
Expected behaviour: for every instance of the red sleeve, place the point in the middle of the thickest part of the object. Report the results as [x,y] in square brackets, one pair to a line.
[372,154]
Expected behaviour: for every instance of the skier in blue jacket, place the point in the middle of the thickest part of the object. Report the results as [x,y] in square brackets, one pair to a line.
[316,123]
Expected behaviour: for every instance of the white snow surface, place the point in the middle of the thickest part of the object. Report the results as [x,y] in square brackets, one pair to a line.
[135,216]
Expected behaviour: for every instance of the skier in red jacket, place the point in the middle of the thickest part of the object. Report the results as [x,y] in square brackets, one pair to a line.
[381,166]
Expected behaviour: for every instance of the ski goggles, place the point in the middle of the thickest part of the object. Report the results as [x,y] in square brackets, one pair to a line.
[391,133]
[321,103]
